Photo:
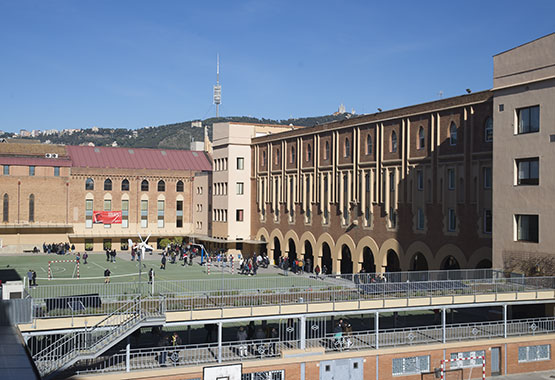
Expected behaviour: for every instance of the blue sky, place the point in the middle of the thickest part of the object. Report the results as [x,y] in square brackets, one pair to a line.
[130,64]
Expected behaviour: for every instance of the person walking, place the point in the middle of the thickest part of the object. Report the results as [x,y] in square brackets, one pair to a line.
[85,257]
[30,278]
[107,276]
[163,262]
[150,275]
[34,278]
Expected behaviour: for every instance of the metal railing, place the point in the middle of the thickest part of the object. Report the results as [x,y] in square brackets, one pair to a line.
[217,282]
[70,347]
[186,355]
[183,355]
[321,292]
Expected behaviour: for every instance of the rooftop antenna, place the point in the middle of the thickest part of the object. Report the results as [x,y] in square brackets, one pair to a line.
[217,88]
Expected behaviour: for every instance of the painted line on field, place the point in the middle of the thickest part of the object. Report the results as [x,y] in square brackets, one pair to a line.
[100,266]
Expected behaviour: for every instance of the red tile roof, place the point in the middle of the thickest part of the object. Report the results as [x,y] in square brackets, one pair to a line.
[138,158]
[34,161]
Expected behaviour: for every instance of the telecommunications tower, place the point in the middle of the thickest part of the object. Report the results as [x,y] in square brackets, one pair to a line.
[217,88]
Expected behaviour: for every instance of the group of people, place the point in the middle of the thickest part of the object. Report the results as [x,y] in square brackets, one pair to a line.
[342,335]
[57,248]
[297,265]
[111,255]
[257,336]
[175,252]
[32,277]
[250,266]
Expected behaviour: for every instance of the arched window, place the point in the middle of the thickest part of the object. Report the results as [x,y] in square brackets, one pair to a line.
[108,185]
[453,134]
[161,185]
[144,185]
[125,185]
[488,130]
[31,208]
[6,210]
[292,157]
[327,151]
[368,144]
[308,152]
[89,184]
[393,146]
[347,148]
[421,138]
[179,186]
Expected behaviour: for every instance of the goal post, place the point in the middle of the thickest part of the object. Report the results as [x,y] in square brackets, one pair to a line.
[443,365]
[62,261]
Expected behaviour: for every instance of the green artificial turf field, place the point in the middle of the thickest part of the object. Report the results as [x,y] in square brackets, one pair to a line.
[123,270]
[175,279]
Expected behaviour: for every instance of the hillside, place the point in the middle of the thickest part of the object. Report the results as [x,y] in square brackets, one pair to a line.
[171,136]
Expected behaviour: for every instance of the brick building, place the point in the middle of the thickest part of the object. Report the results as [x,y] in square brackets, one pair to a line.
[406,189]
[49,194]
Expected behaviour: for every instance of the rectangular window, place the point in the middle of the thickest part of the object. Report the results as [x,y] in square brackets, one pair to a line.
[240,163]
[392,182]
[411,365]
[125,213]
[56,171]
[392,218]
[239,215]
[467,363]
[534,353]
[419,180]
[89,213]
[452,220]
[89,244]
[528,119]
[31,171]
[528,171]
[487,221]
[107,244]
[527,227]
[124,245]
[179,214]
[144,214]
[451,179]
[160,214]
[487,178]
[6,169]
[107,207]
[240,188]
[420,219]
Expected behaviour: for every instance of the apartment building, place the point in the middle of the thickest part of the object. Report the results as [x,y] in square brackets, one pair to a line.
[231,184]
[524,134]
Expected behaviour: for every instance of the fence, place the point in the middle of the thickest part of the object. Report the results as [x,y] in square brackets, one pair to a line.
[184,355]
[156,357]
[322,292]
[216,283]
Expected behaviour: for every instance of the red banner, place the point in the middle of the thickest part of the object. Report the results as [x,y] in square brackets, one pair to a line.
[107,217]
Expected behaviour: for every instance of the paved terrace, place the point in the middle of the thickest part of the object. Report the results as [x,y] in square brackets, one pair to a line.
[185,302]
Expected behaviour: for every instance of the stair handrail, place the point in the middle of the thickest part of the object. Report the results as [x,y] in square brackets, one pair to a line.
[132,312]
[91,330]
